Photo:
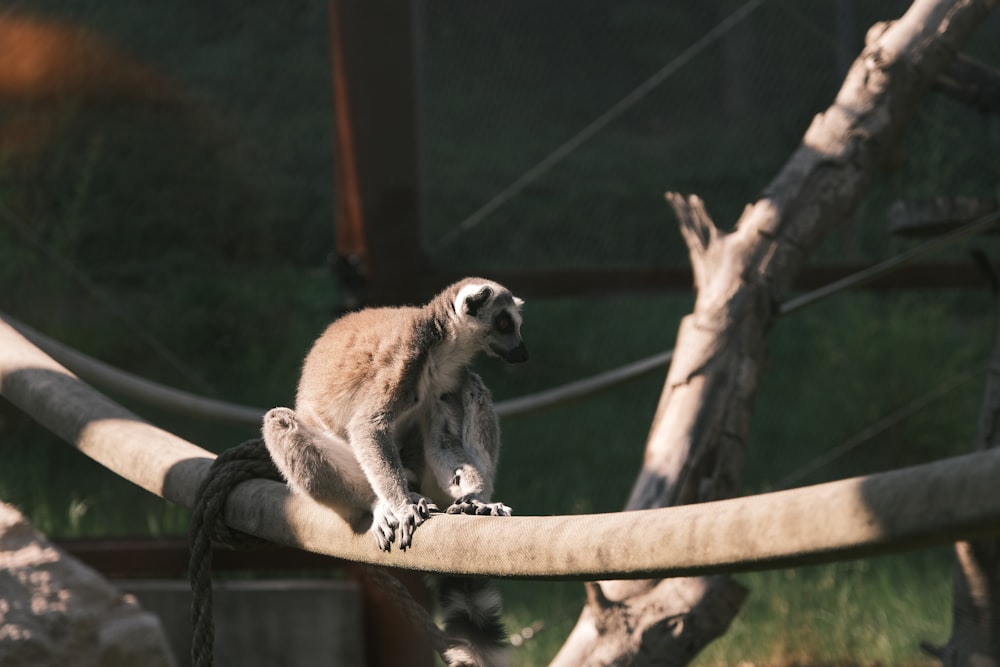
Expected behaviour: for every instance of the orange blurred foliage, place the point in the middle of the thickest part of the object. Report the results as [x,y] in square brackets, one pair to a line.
[51,68]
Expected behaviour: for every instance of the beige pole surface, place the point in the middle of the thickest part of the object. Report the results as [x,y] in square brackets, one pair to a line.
[930,504]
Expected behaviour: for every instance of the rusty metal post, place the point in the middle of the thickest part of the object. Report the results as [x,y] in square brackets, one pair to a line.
[380,255]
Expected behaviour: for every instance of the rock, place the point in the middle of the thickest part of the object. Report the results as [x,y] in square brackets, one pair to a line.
[56,611]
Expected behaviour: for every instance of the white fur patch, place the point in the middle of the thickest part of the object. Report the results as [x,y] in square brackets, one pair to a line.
[463,654]
[465,293]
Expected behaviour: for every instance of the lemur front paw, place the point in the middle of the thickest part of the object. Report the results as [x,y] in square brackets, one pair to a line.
[473,505]
[387,520]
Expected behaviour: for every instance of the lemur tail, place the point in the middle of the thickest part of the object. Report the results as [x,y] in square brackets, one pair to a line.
[470,608]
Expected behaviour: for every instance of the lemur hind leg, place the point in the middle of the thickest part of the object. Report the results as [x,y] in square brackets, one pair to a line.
[464,448]
[322,466]
[316,463]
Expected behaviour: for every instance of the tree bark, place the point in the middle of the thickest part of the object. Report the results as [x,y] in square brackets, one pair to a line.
[971,83]
[695,448]
[939,215]
[975,631]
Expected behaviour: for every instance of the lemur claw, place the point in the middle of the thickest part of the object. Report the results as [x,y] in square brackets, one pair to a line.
[384,526]
[387,521]
[472,505]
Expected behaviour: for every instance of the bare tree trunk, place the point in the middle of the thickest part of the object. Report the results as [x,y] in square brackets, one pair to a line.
[972,83]
[695,448]
[975,631]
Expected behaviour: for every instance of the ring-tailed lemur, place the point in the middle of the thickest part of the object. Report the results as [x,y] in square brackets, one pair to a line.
[390,419]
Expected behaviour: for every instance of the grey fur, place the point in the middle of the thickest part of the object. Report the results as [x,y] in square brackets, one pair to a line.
[390,419]
[387,410]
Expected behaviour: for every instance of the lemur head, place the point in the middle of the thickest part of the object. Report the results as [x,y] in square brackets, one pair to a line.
[491,315]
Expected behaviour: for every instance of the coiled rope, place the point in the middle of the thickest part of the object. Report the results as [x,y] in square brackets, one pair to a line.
[246,461]
[249,460]
[933,503]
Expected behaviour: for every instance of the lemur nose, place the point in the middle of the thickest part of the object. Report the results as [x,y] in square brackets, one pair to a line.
[516,355]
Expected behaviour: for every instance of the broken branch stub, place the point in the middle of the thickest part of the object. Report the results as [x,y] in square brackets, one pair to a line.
[695,446]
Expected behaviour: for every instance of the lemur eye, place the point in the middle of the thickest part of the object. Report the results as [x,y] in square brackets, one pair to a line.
[503,323]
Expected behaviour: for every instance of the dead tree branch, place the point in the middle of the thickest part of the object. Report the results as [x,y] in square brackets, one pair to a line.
[975,630]
[695,448]
[939,215]
[972,83]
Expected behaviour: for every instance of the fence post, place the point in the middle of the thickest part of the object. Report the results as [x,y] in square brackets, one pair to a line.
[380,256]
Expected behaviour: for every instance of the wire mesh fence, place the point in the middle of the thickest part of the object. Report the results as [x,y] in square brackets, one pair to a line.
[551,135]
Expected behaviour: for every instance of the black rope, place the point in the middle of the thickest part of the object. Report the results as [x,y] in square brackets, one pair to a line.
[251,460]
[246,461]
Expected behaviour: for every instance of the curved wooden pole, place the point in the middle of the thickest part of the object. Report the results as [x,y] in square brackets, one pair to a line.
[201,407]
[185,403]
[116,380]
[929,504]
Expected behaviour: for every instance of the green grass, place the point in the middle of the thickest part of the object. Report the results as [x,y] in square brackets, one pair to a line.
[867,612]
[548,609]
[202,226]
[583,457]
[834,368]
[863,612]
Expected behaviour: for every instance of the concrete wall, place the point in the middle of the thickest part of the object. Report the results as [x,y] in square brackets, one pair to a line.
[270,623]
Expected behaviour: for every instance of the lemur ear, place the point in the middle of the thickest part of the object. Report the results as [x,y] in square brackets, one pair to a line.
[518,302]
[471,298]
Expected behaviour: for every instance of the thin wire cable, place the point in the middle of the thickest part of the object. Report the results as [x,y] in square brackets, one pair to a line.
[879,426]
[623,374]
[101,296]
[792,10]
[580,388]
[122,383]
[928,504]
[185,403]
[598,124]
[191,404]
[968,230]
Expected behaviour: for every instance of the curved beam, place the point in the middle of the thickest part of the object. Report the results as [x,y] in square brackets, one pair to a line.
[924,505]
[193,405]
[128,384]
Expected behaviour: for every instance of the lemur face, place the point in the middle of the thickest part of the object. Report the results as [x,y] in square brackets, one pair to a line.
[497,319]
[505,334]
